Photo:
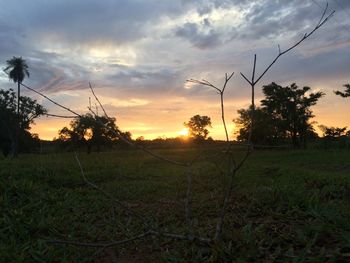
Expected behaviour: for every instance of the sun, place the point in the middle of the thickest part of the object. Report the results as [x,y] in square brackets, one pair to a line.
[183,132]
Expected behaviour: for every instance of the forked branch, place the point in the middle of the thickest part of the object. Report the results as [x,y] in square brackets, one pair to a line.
[320,23]
[220,92]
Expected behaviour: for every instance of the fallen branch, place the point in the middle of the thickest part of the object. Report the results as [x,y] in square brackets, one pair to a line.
[128,240]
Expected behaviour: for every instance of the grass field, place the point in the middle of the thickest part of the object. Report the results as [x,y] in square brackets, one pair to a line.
[287,206]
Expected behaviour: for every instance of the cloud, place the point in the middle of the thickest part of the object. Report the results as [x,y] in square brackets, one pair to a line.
[86,22]
[139,53]
[201,36]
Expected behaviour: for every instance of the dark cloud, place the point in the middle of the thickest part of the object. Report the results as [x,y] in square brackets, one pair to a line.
[87,21]
[272,19]
[201,36]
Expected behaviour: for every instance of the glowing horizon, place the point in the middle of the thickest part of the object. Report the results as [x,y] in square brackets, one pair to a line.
[139,54]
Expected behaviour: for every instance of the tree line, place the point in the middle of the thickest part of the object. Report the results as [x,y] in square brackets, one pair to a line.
[284,116]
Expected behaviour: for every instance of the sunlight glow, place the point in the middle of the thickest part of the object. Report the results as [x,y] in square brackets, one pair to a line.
[183,132]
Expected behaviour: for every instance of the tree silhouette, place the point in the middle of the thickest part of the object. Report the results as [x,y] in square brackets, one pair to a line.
[290,109]
[91,131]
[264,130]
[10,120]
[17,70]
[344,94]
[333,132]
[197,126]
[284,114]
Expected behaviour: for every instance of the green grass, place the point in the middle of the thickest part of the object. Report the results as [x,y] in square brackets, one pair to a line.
[287,206]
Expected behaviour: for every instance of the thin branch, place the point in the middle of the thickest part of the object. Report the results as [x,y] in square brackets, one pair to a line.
[183,237]
[254,66]
[246,78]
[54,102]
[128,240]
[99,102]
[59,116]
[188,203]
[221,93]
[321,22]
[126,208]
[102,245]
[204,82]
[227,79]
[219,225]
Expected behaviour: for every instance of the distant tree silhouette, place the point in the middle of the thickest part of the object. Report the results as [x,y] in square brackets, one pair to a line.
[91,131]
[344,94]
[9,119]
[285,113]
[197,126]
[333,132]
[17,70]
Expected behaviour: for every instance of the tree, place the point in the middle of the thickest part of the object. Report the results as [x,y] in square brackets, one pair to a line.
[333,132]
[290,109]
[11,121]
[344,94]
[91,131]
[197,126]
[264,130]
[284,114]
[17,70]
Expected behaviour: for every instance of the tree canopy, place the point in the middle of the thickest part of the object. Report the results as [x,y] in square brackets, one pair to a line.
[264,131]
[285,113]
[344,94]
[333,132]
[29,111]
[92,131]
[197,127]
[17,69]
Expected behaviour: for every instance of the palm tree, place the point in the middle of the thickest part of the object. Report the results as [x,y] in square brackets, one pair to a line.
[17,70]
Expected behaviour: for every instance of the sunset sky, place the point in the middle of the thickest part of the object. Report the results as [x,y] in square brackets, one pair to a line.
[139,53]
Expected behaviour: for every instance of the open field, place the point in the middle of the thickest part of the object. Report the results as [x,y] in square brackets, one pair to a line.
[287,206]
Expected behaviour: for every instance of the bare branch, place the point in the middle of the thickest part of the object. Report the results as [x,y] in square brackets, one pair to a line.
[99,102]
[254,66]
[227,79]
[245,78]
[221,93]
[219,225]
[204,82]
[183,237]
[103,245]
[188,203]
[59,116]
[118,202]
[321,22]
[128,240]
[54,102]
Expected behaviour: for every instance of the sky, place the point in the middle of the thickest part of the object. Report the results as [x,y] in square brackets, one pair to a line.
[138,54]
